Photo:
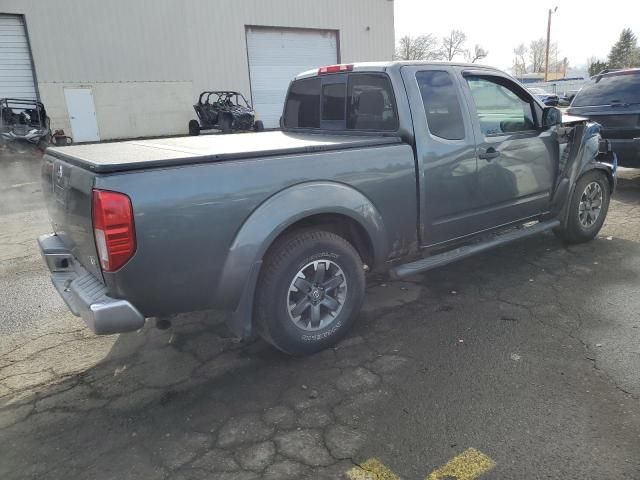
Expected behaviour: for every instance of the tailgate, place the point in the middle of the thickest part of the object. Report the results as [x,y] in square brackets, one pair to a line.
[67,191]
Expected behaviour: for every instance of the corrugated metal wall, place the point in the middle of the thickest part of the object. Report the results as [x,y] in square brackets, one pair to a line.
[16,77]
[188,45]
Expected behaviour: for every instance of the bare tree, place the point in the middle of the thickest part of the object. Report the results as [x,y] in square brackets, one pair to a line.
[520,62]
[422,47]
[537,54]
[478,53]
[453,44]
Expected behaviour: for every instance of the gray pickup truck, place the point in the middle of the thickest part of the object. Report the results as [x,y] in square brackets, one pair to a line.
[393,166]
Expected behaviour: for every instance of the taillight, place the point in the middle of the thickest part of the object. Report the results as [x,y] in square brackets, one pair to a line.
[113,228]
[335,69]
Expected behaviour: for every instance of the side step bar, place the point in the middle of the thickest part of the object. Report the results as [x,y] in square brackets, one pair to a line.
[441,259]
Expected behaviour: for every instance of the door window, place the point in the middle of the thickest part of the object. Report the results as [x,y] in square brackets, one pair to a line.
[441,104]
[500,109]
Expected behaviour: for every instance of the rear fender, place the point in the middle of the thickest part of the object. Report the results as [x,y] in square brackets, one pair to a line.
[584,152]
[237,283]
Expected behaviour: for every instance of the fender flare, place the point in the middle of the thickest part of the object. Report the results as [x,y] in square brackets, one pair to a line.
[583,159]
[238,279]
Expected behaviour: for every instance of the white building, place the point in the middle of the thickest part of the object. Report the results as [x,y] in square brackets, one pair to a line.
[109,69]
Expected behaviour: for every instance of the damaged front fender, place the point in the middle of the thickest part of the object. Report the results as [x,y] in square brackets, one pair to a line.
[581,149]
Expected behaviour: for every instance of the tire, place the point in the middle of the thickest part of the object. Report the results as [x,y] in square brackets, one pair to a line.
[194,128]
[337,307]
[581,226]
[258,126]
[225,124]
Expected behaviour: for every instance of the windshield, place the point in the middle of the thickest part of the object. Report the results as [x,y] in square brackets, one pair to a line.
[623,87]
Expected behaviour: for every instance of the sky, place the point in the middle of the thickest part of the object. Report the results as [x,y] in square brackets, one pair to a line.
[582,29]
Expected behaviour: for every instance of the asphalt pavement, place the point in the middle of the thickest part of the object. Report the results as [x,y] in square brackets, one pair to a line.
[521,363]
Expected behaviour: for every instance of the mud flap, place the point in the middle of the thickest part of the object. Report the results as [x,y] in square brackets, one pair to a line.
[241,321]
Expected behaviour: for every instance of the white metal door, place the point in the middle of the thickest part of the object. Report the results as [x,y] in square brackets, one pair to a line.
[82,114]
[16,71]
[278,55]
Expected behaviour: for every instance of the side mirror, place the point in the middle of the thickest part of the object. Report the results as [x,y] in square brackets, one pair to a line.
[551,116]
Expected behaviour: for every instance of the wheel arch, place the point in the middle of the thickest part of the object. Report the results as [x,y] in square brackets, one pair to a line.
[332,206]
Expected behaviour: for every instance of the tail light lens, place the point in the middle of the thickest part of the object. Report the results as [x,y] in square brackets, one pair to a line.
[113,228]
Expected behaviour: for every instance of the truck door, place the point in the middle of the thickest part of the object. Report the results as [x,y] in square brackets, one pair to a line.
[445,151]
[517,159]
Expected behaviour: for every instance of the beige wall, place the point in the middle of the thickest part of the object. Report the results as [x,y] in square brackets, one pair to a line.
[146,60]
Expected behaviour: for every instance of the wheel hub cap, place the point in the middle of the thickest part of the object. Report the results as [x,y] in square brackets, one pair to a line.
[316,295]
[590,204]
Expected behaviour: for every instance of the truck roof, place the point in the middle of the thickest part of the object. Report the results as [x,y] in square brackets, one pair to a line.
[164,152]
[382,66]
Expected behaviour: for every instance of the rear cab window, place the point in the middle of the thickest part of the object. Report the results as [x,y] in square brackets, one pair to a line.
[614,88]
[346,101]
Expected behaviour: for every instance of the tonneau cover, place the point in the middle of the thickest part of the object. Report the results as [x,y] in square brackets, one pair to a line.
[162,152]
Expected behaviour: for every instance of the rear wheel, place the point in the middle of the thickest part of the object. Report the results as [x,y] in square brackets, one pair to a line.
[587,208]
[310,291]
[194,127]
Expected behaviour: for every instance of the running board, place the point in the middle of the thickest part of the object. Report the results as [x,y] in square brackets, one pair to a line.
[441,259]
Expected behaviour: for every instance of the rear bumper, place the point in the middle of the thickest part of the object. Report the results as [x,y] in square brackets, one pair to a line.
[84,294]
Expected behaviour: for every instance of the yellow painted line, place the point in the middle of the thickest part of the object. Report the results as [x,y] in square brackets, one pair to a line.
[469,465]
[372,469]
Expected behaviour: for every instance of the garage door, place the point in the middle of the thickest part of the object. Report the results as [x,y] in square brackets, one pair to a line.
[276,56]
[16,75]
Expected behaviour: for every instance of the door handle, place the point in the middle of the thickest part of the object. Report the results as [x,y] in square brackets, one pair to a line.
[489,154]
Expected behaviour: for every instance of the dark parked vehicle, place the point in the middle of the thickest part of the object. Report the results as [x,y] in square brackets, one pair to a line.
[613,100]
[23,119]
[224,110]
[550,99]
[569,95]
[395,166]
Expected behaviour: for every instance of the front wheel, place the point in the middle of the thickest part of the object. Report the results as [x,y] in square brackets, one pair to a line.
[310,291]
[194,127]
[587,208]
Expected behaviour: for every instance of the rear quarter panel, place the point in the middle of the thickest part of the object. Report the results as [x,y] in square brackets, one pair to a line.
[187,217]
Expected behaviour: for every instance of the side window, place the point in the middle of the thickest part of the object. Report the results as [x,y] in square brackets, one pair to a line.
[303,104]
[500,109]
[441,104]
[370,103]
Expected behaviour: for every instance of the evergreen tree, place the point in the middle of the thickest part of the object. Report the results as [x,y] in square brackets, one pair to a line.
[625,52]
[596,67]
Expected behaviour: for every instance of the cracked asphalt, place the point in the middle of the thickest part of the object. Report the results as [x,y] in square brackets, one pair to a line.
[529,353]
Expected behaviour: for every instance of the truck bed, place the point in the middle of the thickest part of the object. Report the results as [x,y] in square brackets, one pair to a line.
[164,152]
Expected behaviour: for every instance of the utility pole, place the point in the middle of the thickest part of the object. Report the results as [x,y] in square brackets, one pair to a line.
[546,62]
